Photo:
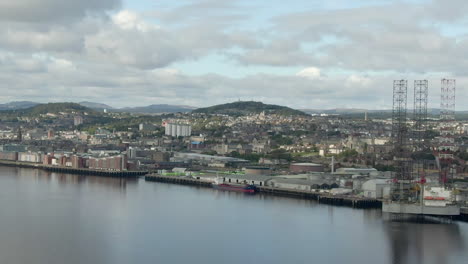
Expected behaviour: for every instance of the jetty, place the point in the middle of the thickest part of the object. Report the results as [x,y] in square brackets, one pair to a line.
[70,170]
[321,197]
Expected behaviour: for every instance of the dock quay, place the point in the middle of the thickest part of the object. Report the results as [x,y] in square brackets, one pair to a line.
[324,198]
[463,214]
[321,197]
[80,171]
[177,180]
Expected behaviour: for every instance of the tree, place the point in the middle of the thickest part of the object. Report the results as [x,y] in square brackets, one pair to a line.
[463,155]
[349,153]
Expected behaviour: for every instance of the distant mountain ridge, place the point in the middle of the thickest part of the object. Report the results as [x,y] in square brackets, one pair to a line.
[52,108]
[243,108]
[56,108]
[150,109]
[17,105]
[249,107]
[157,108]
[96,106]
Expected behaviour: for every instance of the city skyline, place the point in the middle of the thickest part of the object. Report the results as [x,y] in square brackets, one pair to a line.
[304,54]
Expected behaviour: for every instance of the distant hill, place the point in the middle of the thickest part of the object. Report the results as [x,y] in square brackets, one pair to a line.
[17,105]
[96,106]
[156,109]
[249,107]
[150,109]
[55,108]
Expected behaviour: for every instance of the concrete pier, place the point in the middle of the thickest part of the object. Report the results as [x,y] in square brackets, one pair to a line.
[178,180]
[81,171]
[463,215]
[418,209]
[324,198]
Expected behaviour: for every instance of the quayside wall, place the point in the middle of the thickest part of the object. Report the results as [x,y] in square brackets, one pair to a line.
[81,171]
[325,198]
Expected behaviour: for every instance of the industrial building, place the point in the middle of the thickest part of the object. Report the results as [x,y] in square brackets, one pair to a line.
[77,120]
[256,170]
[178,130]
[207,159]
[113,163]
[146,127]
[259,180]
[306,167]
[30,157]
[302,184]
[356,171]
[376,188]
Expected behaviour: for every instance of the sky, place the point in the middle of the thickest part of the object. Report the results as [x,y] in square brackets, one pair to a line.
[306,54]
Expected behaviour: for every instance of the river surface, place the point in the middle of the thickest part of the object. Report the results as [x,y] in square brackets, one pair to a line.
[56,218]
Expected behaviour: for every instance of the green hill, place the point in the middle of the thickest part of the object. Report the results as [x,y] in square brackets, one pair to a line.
[41,109]
[249,107]
[56,108]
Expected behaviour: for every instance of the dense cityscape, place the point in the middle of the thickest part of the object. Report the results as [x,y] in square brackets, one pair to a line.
[252,142]
[233,131]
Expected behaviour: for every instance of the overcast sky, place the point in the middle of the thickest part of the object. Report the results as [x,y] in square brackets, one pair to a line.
[299,53]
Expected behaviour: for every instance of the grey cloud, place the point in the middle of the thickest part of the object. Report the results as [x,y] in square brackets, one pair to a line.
[201,11]
[116,85]
[52,10]
[445,10]
[276,53]
[146,46]
[21,64]
[25,39]
[393,37]
[95,58]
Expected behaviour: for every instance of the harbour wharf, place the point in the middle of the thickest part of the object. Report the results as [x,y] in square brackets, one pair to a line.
[463,214]
[80,171]
[321,197]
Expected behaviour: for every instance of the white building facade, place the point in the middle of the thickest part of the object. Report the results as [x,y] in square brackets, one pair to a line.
[178,130]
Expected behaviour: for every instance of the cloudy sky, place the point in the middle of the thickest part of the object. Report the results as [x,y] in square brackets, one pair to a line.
[299,53]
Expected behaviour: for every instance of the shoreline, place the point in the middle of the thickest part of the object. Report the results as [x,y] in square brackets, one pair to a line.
[323,198]
[81,171]
[320,197]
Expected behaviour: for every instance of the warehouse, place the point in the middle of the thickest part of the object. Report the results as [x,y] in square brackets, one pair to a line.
[376,188]
[259,180]
[306,167]
[302,184]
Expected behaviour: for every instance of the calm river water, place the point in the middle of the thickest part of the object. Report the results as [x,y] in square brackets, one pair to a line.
[55,218]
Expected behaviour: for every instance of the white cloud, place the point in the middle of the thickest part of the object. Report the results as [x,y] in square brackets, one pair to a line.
[358,80]
[128,20]
[311,73]
[60,65]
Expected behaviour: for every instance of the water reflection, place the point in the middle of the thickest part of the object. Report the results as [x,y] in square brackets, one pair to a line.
[423,243]
[62,179]
[61,218]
